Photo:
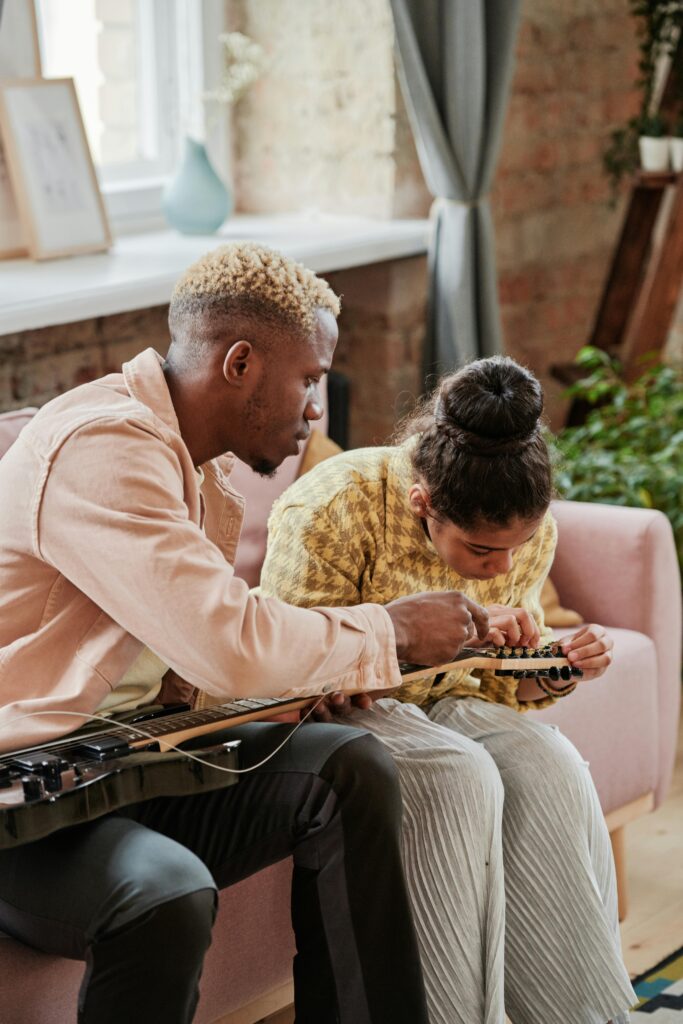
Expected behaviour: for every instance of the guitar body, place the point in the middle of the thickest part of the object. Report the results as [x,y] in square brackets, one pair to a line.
[90,789]
[96,771]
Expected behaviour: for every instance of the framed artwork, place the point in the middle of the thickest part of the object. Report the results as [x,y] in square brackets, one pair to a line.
[12,235]
[19,49]
[51,168]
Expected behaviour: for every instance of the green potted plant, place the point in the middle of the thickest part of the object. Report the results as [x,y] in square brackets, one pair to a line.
[630,449]
[653,143]
[676,143]
[659,27]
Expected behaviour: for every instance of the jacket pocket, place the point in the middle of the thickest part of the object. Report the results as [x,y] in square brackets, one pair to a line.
[108,649]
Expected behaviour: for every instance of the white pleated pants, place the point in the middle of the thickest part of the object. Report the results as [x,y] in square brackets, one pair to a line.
[509,866]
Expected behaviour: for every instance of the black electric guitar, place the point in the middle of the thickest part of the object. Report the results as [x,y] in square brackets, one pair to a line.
[95,771]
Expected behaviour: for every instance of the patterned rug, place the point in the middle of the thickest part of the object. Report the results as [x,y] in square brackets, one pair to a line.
[660,993]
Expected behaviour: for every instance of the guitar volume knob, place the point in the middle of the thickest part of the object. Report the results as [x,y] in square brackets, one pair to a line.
[32,787]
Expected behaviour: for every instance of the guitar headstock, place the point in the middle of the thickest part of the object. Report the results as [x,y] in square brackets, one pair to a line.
[520,662]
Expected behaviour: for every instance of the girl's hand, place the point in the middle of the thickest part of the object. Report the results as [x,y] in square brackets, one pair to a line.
[511,626]
[590,650]
[339,703]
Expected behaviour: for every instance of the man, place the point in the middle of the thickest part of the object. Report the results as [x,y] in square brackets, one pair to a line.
[117,532]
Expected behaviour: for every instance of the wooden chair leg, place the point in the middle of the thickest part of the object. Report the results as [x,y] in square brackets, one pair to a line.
[618,837]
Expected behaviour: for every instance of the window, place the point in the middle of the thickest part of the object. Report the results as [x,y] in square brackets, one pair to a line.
[140,68]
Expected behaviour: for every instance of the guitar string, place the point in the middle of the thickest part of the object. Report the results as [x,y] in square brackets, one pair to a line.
[74,740]
[142,734]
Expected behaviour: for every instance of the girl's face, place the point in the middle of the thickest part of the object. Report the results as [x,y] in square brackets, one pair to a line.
[480,553]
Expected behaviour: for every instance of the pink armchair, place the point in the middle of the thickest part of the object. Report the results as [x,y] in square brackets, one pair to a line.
[618,566]
[614,565]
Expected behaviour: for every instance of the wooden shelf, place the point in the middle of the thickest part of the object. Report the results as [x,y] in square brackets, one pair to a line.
[656,179]
[644,283]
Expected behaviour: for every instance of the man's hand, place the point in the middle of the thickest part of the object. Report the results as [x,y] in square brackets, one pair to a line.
[432,628]
[590,650]
[513,626]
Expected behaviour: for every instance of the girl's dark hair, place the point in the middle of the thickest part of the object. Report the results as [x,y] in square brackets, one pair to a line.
[480,451]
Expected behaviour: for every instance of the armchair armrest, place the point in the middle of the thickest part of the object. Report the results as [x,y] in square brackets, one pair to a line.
[618,566]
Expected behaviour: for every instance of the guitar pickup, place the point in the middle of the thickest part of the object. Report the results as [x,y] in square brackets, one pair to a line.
[103,748]
[41,766]
[39,762]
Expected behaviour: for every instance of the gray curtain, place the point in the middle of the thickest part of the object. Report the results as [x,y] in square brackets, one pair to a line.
[455,61]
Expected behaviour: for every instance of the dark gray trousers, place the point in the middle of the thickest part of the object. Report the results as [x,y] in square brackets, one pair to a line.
[134,894]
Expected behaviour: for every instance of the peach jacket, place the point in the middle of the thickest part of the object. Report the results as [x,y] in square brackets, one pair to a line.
[107,544]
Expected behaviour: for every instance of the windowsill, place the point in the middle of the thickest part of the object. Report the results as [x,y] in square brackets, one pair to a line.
[140,270]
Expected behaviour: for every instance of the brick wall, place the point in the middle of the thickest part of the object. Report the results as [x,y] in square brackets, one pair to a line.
[381,335]
[555,229]
[37,365]
[317,131]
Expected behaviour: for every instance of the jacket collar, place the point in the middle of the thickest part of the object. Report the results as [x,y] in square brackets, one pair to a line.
[145,380]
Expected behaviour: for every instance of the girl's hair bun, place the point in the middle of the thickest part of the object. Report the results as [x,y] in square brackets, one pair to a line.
[490,407]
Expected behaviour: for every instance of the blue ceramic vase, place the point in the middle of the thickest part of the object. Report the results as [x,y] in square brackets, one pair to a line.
[195,201]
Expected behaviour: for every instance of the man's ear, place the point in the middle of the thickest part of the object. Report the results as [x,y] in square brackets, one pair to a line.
[418,498]
[238,362]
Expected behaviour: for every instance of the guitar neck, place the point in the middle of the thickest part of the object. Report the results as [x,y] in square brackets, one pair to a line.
[197,723]
[172,728]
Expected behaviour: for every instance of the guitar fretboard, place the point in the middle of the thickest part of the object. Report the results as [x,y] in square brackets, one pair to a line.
[153,728]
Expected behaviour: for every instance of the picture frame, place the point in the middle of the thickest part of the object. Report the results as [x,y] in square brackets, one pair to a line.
[19,43]
[51,168]
[12,234]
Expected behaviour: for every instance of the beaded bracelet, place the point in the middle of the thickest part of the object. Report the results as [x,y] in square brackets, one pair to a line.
[562,691]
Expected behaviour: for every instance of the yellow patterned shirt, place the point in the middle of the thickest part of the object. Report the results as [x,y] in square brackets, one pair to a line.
[345,534]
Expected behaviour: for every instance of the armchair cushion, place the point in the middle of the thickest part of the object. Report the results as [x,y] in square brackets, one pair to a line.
[613,721]
[554,615]
[618,566]
[10,425]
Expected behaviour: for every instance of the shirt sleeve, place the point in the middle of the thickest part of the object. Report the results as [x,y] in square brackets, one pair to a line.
[312,557]
[112,520]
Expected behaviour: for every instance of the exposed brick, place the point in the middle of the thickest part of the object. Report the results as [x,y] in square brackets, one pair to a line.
[6,395]
[11,346]
[38,365]
[516,288]
[36,381]
[116,353]
[60,338]
[318,131]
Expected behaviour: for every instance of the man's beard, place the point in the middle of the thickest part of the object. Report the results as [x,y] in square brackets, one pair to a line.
[264,467]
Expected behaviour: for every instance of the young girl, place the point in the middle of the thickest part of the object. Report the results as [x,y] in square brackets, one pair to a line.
[506,851]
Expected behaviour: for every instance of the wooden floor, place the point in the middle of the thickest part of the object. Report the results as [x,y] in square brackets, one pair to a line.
[654,845]
[654,848]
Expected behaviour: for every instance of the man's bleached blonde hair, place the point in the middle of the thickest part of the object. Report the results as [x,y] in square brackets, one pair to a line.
[249,278]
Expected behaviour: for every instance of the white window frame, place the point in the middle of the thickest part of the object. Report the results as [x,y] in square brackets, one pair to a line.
[185,33]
